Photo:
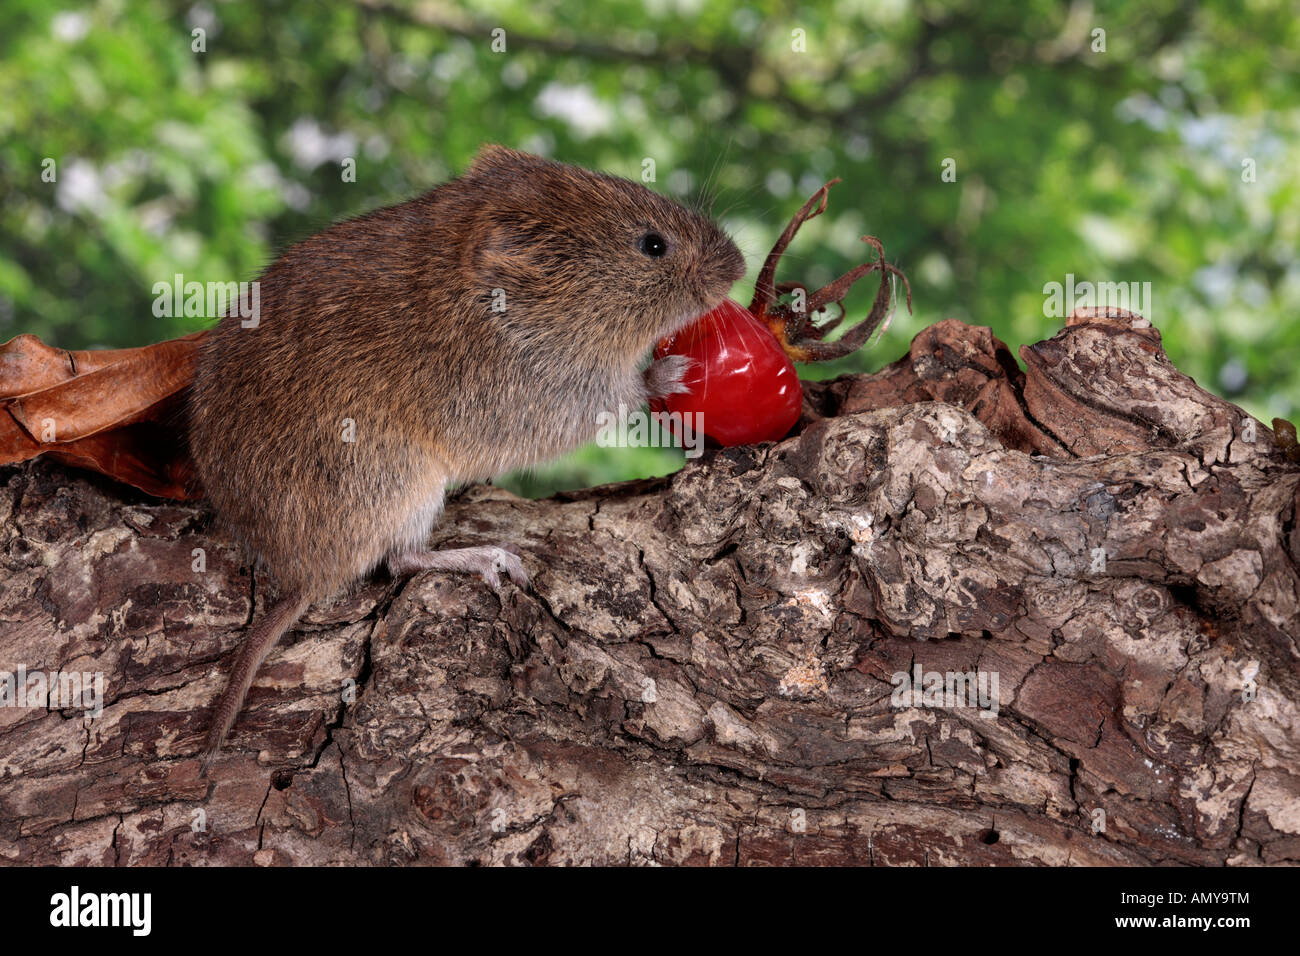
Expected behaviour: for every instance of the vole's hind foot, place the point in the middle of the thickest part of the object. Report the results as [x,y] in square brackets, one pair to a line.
[487,561]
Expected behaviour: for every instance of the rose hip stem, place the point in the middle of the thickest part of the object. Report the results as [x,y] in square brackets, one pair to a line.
[800,339]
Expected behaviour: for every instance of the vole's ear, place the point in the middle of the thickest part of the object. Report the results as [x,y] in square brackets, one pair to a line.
[496,159]
[505,256]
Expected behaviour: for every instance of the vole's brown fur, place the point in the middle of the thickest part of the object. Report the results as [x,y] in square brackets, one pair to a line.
[388,321]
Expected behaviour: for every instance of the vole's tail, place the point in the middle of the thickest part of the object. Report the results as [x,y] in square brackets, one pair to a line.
[282,616]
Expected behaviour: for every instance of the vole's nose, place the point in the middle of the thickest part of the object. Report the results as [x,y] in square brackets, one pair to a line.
[735,262]
[727,260]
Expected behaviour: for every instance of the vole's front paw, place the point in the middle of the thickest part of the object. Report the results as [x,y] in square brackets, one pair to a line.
[664,376]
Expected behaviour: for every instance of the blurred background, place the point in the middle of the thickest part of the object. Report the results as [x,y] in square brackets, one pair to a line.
[1155,141]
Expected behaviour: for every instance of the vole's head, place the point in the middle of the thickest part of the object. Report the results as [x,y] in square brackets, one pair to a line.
[593,255]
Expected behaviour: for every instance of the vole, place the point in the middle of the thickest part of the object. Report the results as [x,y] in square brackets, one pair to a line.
[478,328]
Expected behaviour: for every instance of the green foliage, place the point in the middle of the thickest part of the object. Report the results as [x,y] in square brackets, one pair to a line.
[1122,165]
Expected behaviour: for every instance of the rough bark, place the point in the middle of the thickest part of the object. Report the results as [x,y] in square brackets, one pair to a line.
[702,670]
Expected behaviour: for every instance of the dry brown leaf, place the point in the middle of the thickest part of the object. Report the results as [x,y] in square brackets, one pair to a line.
[115,411]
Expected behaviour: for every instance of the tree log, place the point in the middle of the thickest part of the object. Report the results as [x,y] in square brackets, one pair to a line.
[714,668]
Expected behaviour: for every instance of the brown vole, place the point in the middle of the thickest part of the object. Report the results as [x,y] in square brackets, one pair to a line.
[478,328]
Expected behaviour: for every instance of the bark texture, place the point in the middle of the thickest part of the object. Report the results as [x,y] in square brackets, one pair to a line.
[703,670]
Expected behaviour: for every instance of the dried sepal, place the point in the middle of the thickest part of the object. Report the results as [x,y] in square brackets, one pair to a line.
[802,340]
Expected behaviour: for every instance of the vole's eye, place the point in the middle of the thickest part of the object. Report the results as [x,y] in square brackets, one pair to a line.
[654,245]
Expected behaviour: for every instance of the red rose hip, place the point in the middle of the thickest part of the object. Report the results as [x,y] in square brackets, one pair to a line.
[741,382]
